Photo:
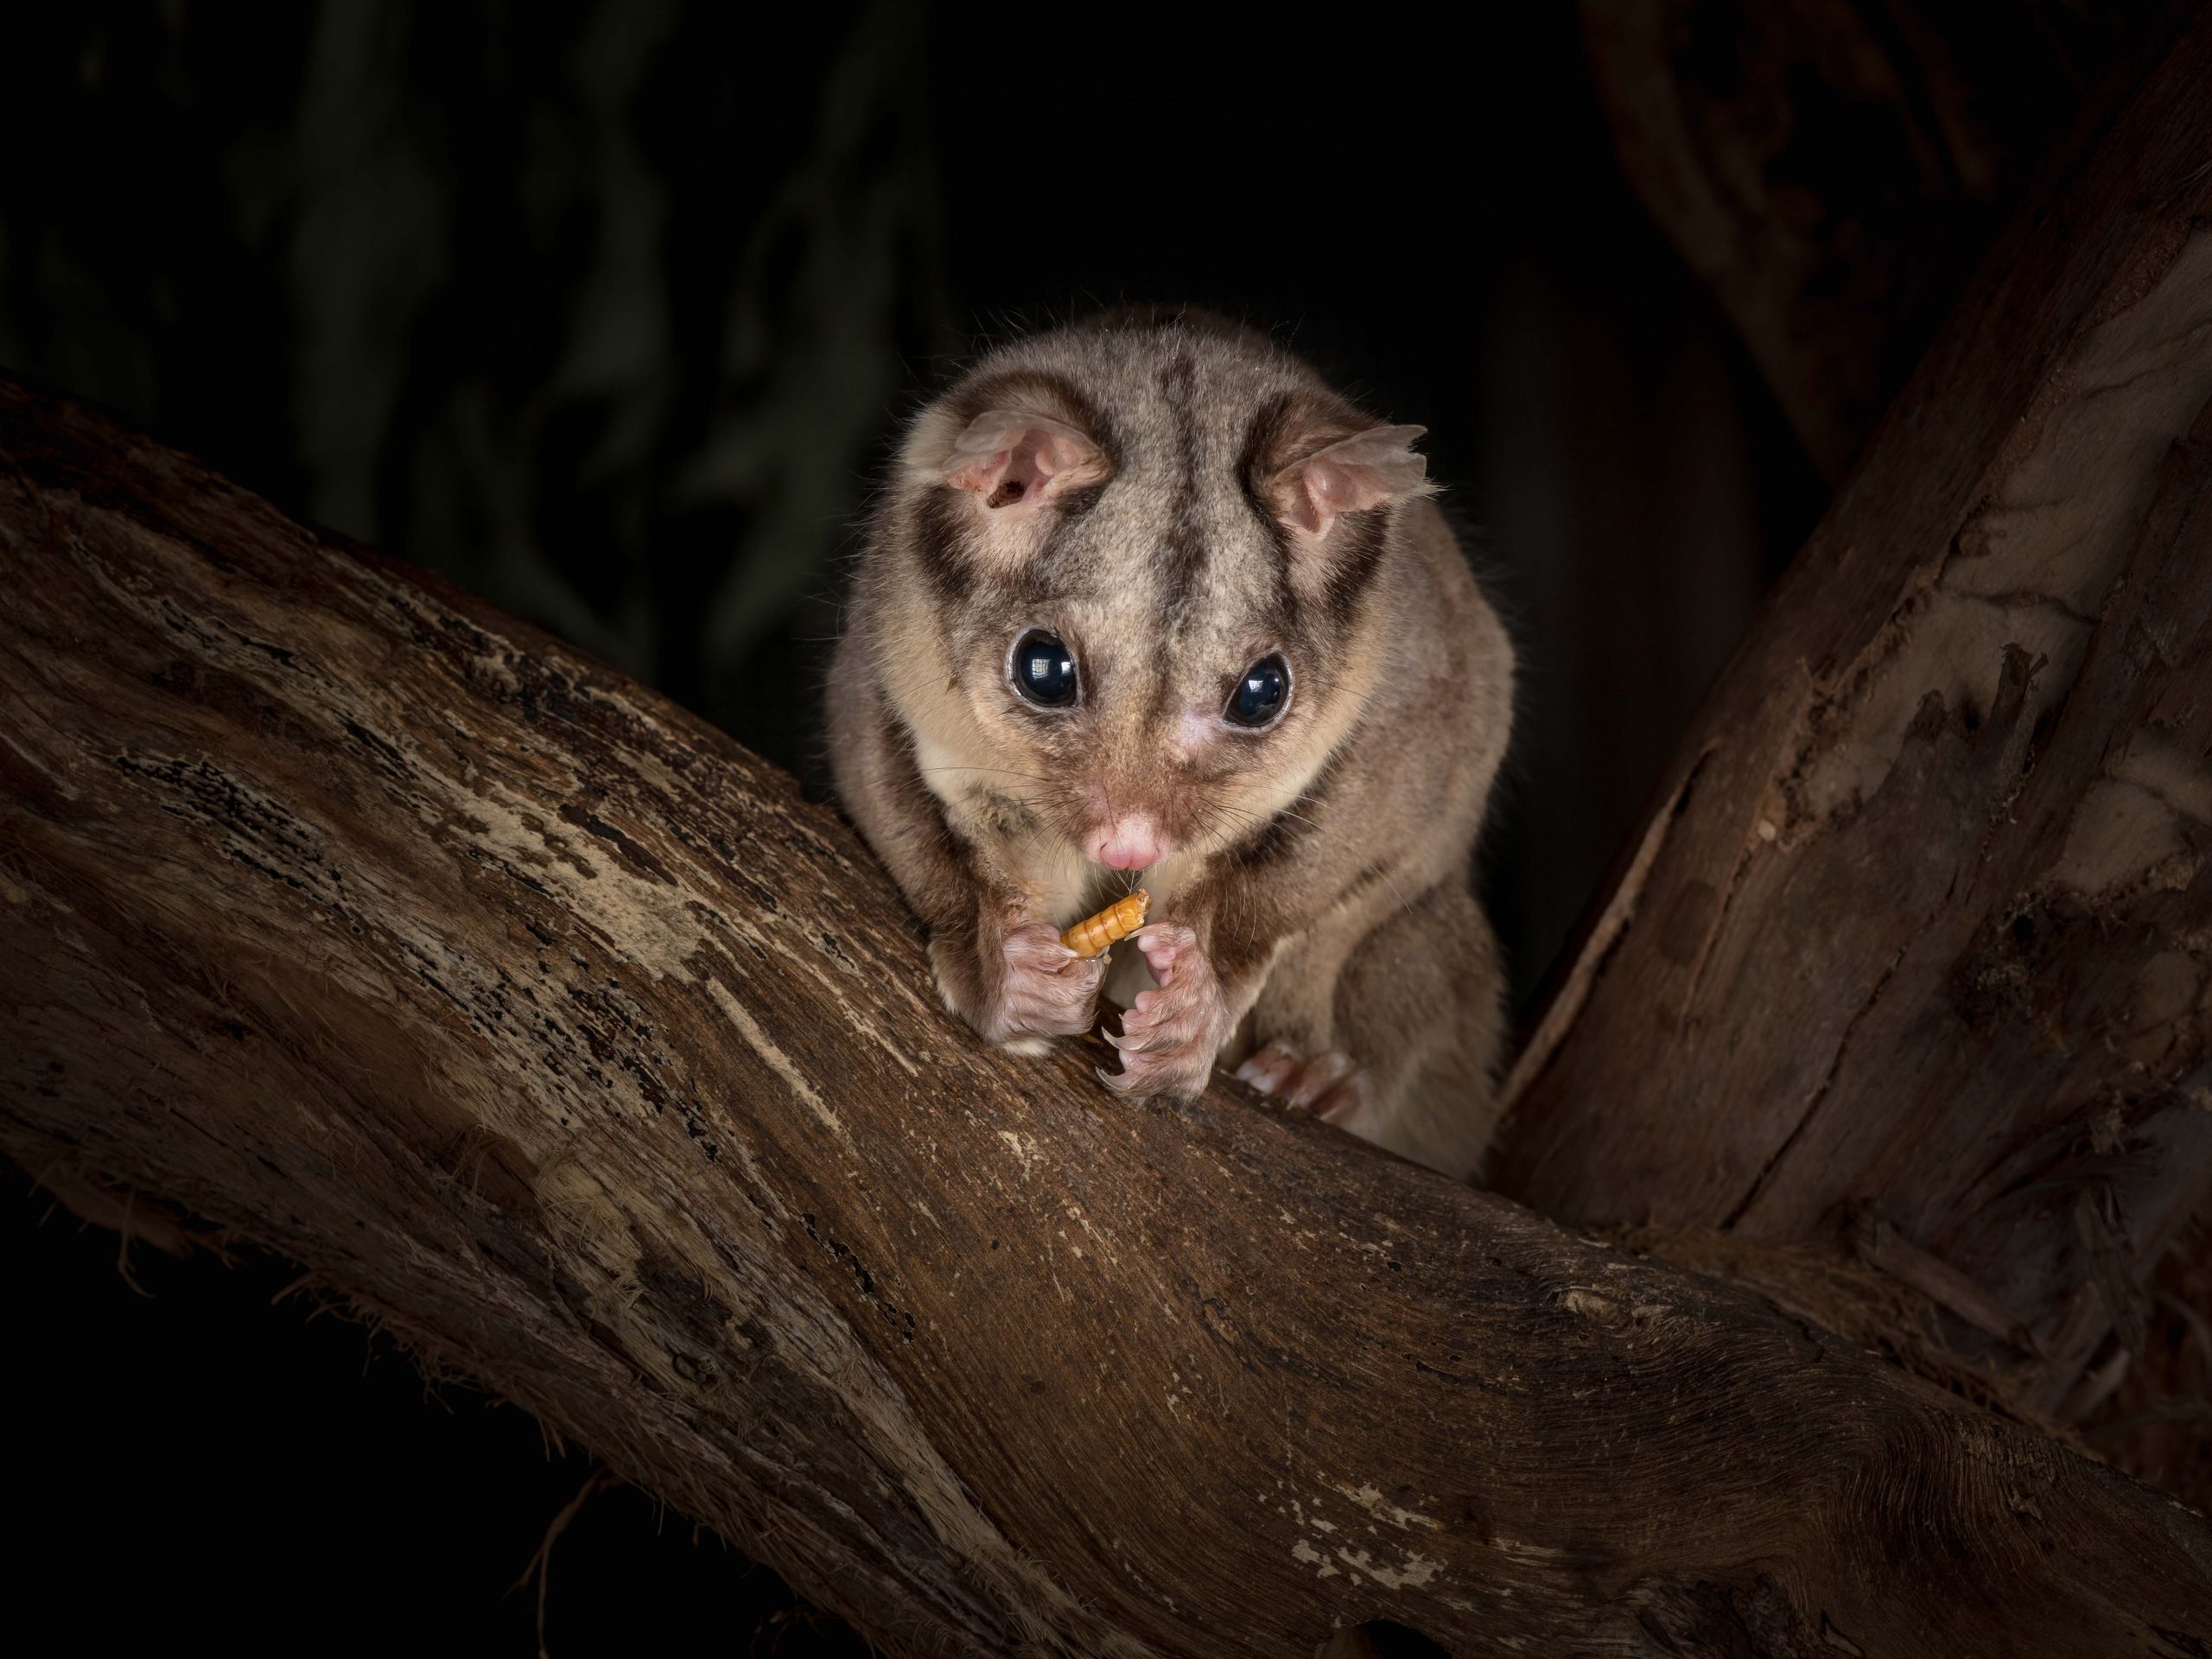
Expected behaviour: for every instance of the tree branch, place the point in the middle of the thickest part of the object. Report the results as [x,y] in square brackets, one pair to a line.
[542,1019]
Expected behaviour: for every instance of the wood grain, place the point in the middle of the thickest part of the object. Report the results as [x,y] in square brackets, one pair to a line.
[1923,921]
[544,1020]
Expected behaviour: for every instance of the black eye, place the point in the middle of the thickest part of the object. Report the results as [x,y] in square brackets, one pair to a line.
[1044,669]
[1258,696]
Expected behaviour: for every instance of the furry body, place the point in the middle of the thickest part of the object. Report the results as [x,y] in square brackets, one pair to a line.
[1177,500]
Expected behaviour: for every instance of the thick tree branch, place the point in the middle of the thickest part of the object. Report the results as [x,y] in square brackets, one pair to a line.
[1922,923]
[544,1020]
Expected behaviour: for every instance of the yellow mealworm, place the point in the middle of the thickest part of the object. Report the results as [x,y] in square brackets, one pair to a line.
[1092,935]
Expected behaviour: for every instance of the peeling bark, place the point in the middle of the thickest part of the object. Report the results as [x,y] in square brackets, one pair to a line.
[1924,930]
[546,1022]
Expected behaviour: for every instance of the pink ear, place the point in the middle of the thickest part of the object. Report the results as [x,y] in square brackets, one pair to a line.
[1363,471]
[1017,458]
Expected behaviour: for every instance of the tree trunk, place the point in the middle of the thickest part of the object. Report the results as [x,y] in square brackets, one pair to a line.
[541,1019]
[1918,939]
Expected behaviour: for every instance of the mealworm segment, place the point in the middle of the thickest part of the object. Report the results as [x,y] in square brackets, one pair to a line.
[1093,935]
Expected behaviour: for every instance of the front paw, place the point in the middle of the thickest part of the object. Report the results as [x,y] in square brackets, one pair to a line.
[1171,1034]
[1044,990]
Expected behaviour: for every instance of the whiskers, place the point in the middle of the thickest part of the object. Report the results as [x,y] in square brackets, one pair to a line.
[1213,810]
[1058,806]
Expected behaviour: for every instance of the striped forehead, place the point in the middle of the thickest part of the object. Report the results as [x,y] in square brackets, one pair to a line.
[1178,531]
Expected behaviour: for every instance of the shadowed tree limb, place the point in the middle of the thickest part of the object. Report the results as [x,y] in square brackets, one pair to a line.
[541,1019]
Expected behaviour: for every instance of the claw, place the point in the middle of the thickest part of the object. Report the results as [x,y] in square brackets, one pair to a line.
[1045,990]
[1269,1068]
[1318,1076]
[1171,1032]
[1327,1085]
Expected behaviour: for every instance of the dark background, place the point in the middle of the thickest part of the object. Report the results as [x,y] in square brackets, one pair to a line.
[608,311]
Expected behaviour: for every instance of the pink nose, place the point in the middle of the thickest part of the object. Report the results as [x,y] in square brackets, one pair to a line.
[1131,843]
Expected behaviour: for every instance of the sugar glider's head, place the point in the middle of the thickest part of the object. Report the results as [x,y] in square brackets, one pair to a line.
[1139,561]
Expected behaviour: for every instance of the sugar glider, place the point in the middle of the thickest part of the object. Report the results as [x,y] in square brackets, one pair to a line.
[1144,599]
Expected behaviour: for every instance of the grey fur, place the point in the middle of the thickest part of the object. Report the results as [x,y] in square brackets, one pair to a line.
[1324,866]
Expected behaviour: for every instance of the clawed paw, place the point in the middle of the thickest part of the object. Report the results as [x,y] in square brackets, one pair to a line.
[1045,989]
[1171,1033]
[1327,1084]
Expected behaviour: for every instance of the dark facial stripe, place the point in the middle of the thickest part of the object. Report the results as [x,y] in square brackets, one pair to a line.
[1262,439]
[1355,555]
[1186,550]
[1366,879]
[940,539]
[1038,580]
[940,546]
[1280,836]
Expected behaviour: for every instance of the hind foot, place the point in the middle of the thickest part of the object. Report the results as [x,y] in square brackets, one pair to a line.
[1327,1084]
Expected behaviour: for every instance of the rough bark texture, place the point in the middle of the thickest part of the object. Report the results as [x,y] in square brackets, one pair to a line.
[542,1020]
[1918,940]
[1833,171]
